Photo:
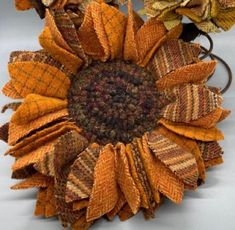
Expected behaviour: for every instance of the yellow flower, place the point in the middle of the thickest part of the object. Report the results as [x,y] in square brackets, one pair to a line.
[115,115]
[207,15]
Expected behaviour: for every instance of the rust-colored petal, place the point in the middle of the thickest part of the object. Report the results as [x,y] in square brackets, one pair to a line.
[104,195]
[4,132]
[35,106]
[10,91]
[39,78]
[23,4]
[81,204]
[197,133]
[125,179]
[187,74]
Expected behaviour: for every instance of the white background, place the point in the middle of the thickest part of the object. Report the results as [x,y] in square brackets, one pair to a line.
[211,207]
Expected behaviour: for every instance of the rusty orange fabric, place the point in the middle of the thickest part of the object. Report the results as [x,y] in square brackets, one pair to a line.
[23,4]
[9,91]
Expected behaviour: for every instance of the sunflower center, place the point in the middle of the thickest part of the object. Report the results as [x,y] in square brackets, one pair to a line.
[113,101]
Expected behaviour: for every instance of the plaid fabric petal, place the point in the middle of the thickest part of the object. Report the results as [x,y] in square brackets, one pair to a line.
[211,153]
[69,60]
[74,143]
[39,78]
[191,103]
[194,73]
[81,177]
[19,131]
[179,161]
[197,133]
[41,56]
[161,178]
[189,146]
[125,179]
[35,106]
[104,195]
[92,33]
[114,24]
[130,51]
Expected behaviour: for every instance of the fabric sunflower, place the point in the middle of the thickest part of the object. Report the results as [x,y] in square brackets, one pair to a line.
[207,15]
[115,116]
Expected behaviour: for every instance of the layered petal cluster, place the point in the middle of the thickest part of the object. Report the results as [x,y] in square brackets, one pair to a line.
[80,180]
[207,15]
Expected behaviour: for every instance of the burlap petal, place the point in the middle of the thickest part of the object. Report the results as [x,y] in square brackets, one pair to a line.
[125,179]
[69,60]
[194,73]
[35,106]
[73,143]
[130,51]
[211,153]
[191,103]
[34,77]
[23,4]
[104,195]
[197,133]
[92,33]
[10,91]
[161,178]
[114,24]
[190,146]
[174,157]
[81,177]
[35,181]
[18,131]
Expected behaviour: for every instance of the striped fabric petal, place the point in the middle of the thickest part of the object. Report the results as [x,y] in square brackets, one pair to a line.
[172,55]
[191,103]
[81,176]
[179,161]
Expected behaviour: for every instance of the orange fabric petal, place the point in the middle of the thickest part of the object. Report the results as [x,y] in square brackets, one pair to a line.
[114,24]
[209,120]
[160,177]
[79,205]
[225,114]
[92,33]
[189,145]
[55,33]
[9,91]
[23,4]
[40,138]
[149,37]
[130,51]
[35,106]
[36,180]
[126,213]
[125,179]
[104,195]
[39,78]
[197,133]
[69,60]
[18,131]
[188,74]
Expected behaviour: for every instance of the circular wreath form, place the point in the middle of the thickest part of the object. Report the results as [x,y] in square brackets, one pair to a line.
[115,116]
